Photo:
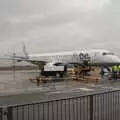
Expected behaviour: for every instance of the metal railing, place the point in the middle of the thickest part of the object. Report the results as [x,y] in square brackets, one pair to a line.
[98,106]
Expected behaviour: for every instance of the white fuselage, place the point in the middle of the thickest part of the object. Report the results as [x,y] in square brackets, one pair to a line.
[95,56]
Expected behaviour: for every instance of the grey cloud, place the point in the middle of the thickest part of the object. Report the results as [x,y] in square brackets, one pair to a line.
[44,22]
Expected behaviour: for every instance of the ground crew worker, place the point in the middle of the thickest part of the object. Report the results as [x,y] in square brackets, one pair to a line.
[114,71]
[118,71]
[102,72]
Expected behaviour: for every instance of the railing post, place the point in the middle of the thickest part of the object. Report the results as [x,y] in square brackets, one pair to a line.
[9,115]
[91,107]
[1,113]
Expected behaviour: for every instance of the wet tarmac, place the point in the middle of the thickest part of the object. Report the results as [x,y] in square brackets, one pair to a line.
[15,88]
[51,100]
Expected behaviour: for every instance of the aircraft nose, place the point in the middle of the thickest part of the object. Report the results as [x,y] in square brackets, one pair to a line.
[114,59]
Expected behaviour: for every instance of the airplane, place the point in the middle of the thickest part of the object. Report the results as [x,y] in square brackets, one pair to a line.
[93,57]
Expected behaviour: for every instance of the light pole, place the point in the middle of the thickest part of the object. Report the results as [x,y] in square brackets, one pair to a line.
[13,66]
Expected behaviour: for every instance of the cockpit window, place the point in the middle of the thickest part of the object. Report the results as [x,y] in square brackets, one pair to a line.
[108,53]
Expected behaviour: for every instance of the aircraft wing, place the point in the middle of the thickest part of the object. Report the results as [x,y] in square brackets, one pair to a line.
[39,63]
[20,59]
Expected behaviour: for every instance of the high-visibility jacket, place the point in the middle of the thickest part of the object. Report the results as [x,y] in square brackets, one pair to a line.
[114,68]
[118,68]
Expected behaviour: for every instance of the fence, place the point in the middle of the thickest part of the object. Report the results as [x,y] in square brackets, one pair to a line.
[99,106]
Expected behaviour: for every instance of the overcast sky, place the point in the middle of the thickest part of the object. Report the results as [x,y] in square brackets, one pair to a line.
[57,25]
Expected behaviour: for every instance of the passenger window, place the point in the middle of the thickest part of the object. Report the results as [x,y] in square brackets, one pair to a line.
[109,53]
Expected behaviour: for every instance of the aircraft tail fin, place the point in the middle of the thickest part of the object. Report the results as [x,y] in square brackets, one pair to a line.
[25,51]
